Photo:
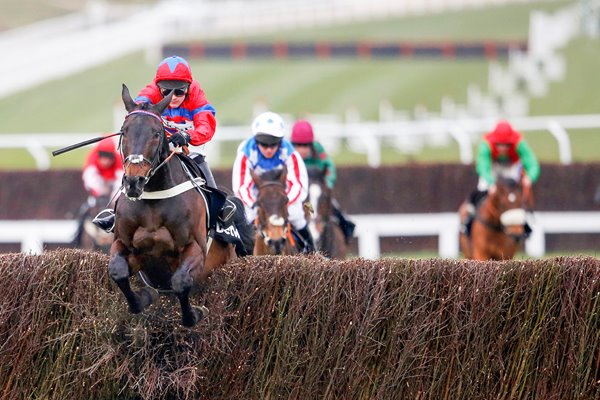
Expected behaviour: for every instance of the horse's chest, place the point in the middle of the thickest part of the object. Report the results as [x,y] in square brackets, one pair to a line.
[155,241]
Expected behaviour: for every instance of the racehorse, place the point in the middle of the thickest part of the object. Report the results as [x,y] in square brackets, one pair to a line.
[273,230]
[330,240]
[161,219]
[92,237]
[500,225]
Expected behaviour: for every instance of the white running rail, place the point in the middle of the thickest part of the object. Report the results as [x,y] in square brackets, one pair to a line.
[32,235]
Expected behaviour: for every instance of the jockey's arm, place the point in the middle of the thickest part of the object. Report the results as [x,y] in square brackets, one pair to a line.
[205,125]
[297,179]
[241,180]
[331,175]
[484,162]
[529,161]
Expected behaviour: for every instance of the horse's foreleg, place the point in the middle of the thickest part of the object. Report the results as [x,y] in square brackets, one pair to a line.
[183,280]
[119,271]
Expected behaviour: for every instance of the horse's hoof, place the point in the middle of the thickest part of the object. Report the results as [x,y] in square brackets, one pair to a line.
[145,296]
[198,314]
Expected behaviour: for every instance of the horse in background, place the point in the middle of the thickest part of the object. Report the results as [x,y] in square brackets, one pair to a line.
[88,235]
[500,226]
[328,235]
[162,218]
[274,234]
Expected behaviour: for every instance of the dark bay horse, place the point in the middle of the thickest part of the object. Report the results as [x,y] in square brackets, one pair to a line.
[161,219]
[273,230]
[330,238]
[500,225]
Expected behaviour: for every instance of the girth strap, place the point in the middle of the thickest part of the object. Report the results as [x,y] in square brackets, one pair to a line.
[172,192]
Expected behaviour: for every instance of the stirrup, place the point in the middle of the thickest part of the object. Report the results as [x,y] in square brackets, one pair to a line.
[105,220]
[227,212]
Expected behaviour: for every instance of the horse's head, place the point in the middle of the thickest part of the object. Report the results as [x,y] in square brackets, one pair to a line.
[510,205]
[272,210]
[143,142]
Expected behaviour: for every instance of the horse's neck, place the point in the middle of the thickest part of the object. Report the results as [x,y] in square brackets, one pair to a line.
[488,211]
[167,176]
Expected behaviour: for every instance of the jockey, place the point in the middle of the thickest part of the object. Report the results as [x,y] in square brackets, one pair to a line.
[103,170]
[267,149]
[102,176]
[314,156]
[189,120]
[503,152]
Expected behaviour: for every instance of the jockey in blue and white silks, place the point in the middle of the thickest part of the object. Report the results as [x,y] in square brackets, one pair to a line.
[267,150]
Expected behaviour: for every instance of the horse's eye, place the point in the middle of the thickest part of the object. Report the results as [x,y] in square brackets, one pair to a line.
[157,133]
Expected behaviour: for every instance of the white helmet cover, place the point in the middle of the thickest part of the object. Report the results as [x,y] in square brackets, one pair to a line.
[269,123]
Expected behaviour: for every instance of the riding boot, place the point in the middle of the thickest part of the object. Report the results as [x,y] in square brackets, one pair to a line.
[105,220]
[204,168]
[345,224]
[309,244]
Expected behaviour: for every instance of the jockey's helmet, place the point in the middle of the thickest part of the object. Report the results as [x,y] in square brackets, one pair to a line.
[302,132]
[504,133]
[268,128]
[173,73]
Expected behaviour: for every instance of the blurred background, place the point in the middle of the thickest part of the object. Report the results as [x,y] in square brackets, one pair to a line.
[399,93]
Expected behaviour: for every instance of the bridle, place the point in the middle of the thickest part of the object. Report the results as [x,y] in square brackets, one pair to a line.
[155,165]
[273,220]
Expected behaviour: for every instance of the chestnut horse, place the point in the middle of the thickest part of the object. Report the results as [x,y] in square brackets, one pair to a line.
[273,230]
[161,218]
[500,225]
[330,238]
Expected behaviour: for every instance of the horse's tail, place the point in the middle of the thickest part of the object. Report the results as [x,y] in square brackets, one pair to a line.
[245,229]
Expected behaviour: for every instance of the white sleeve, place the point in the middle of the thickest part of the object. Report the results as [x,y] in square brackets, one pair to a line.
[241,180]
[297,179]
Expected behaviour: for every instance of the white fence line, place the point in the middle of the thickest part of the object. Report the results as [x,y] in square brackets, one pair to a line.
[369,229]
[369,137]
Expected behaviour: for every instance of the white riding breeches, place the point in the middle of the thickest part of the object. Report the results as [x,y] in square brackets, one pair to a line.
[505,171]
[295,215]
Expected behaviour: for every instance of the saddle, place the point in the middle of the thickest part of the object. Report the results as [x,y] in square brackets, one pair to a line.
[217,203]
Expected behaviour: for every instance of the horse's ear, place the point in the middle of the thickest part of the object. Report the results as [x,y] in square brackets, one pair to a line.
[127,100]
[256,178]
[162,105]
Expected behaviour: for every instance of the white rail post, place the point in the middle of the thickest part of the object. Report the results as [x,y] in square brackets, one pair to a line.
[564,144]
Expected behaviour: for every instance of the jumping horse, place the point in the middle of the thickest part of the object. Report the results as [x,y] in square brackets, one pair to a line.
[161,218]
[500,227]
[329,235]
[274,234]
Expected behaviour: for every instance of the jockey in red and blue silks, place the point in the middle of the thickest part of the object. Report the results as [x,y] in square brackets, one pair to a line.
[190,118]
[267,150]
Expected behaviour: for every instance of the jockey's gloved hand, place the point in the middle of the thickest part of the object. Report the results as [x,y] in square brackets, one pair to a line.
[180,139]
[526,181]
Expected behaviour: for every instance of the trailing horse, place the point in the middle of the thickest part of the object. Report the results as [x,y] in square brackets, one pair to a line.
[499,227]
[330,238]
[162,218]
[273,230]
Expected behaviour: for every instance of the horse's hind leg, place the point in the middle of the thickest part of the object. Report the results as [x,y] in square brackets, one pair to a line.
[119,272]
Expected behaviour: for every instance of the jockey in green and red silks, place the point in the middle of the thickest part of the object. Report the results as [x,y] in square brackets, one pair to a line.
[504,152]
